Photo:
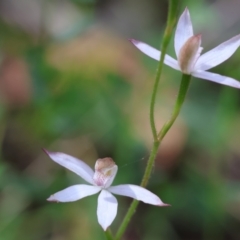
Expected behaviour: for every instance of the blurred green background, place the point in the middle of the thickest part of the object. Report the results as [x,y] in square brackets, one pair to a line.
[71,82]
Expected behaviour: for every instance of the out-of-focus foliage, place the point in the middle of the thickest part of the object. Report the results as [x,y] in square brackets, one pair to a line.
[71,82]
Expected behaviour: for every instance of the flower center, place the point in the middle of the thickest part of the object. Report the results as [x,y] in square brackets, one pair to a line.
[105,171]
[189,53]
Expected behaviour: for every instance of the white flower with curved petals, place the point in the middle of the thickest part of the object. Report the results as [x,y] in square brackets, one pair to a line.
[188,49]
[101,180]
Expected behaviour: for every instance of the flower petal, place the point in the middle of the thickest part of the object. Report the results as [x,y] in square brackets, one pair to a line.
[155,54]
[217,78]
[111,177]
[74,193]
[184,31]
[138,193]
[218,54]
[73,164]
[107,209]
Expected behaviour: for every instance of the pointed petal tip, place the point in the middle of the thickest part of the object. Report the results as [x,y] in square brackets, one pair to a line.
[133,41]
[49,152]
[164,205]
[51,199]
[46,151]
[186,11]
[104,228]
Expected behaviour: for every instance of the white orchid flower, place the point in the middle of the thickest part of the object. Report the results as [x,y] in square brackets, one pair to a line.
[101,180]
[188,49]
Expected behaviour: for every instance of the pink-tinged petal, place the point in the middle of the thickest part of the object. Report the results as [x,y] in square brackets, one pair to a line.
[218,54]
[74,193]
[107,209]
[217,78]
[105,172]
[189,54]
[184,31]
[155,54]
[111,177]
[73,164]
[138,193]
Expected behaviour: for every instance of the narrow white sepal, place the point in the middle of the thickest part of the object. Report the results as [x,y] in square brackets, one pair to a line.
[155,54]
[217,78]
[184,31]
[73,164]
[138,193]
[106,209]
[218,54]
[74,193]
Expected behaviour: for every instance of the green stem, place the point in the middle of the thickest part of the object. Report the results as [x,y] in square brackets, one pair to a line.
[126,219]
[108,234]
[180,99]
[135,203]
[171,21]
[150,164]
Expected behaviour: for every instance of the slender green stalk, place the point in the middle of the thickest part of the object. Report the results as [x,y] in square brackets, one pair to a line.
[108,235]
[135,203]
[171,21]
[150,164]
[126,219]
[180,99]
